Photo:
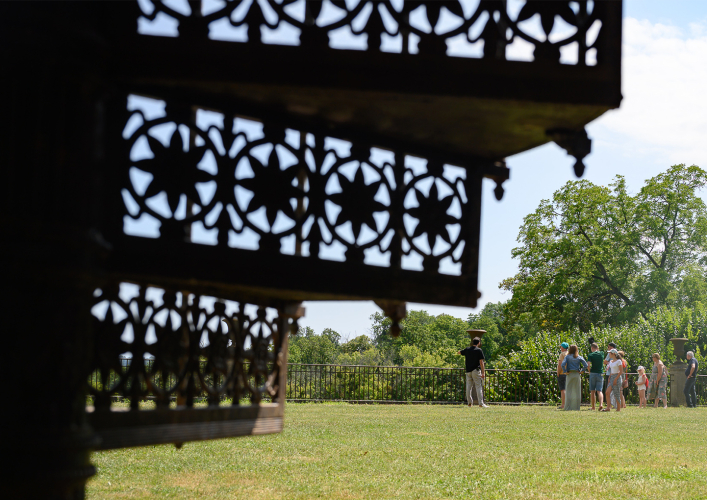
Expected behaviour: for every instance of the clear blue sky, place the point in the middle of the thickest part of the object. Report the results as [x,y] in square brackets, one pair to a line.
[661,122]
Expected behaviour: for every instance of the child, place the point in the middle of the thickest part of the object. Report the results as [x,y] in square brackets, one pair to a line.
[642,383]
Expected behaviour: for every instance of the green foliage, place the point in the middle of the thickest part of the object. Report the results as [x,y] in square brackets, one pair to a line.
[307,347]
[359,344]
[413,356]
[597,255]
[333,336]
[492,339]
[425,340]
[639,341]
[435,338]
[369,357]
[684,322]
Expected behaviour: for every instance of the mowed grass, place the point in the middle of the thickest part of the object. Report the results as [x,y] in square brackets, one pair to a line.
[343,451]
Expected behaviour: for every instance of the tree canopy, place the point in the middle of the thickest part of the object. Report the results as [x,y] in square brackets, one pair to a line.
[597,255]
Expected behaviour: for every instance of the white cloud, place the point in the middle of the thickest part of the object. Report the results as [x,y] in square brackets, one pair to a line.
[664,111]
[698,29]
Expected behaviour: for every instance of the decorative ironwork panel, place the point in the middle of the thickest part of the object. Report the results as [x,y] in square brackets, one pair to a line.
[426,27]
[192,176]
[182,346]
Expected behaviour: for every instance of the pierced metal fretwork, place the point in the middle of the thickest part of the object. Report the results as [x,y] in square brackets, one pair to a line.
[194,176]
[417,24]
[181,346]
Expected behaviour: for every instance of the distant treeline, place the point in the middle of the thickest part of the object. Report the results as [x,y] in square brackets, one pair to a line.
[434,341]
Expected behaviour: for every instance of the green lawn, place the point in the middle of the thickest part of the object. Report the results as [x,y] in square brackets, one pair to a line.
[344,451]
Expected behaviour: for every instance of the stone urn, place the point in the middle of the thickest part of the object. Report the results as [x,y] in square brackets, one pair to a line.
[475,333]
[679,347]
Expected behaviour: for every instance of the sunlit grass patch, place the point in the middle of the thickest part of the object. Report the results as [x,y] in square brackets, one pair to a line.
[416,451]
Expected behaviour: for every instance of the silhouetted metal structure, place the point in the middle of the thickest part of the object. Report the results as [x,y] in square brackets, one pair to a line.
[178,177]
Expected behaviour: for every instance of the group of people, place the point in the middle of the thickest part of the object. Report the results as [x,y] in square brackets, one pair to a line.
[608,377]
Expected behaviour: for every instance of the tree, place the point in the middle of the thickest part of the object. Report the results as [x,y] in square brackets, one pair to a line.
[599,256]
[334,336]
[502,336]
[414,331]
[359,344]
[492,339]
[441,336]
[307,347]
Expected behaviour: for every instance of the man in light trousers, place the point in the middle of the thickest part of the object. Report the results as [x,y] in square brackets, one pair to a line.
[475,368]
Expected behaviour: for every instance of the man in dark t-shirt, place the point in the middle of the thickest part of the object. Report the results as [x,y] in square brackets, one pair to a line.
[596,385]
[475,368]
[691,374]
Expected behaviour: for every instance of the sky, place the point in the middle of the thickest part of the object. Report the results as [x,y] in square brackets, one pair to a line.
[662,121]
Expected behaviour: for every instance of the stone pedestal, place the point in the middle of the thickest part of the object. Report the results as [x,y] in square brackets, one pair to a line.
[677,384]
[677,373]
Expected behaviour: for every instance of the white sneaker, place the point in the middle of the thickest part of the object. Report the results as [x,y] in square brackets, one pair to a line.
[484,405]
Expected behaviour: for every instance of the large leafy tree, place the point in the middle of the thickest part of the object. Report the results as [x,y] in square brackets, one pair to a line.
[308,347]
[599,255]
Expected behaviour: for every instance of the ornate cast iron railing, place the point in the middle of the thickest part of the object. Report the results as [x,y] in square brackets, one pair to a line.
[490,22]
[199,348]
[354,67]
[404,384]
[277,206]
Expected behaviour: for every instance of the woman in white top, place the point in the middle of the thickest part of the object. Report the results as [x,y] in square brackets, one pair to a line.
[614,385]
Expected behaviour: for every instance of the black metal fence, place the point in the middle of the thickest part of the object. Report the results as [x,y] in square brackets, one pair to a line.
[402,384]
[398,384]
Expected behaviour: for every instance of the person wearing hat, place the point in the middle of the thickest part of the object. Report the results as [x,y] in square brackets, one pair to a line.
[561,377]
[614,388]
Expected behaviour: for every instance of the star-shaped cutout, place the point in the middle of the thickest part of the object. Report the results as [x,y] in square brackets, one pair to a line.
[173,170]
[433,216]
[357,202]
